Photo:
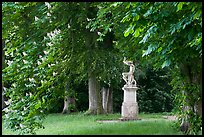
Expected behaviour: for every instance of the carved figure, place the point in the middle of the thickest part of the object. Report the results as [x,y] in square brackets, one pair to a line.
[129,76]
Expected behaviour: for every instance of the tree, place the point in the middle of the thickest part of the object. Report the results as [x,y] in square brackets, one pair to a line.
[3,66]
[46,45]
[162,32]
[33,71]
[154,91]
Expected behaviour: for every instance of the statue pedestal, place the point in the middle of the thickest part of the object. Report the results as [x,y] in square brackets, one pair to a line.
[129,105]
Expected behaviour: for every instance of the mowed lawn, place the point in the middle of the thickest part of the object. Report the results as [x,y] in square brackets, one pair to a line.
[80,124]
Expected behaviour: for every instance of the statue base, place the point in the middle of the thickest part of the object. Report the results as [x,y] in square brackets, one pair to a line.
[129,106]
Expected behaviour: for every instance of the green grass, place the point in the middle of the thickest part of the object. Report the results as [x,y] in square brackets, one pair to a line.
[79,124]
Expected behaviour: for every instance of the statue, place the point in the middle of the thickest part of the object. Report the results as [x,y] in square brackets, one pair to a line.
[129,108]
[129,76]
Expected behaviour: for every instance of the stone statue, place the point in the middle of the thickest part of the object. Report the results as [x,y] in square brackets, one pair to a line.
[129,109]
[129,76]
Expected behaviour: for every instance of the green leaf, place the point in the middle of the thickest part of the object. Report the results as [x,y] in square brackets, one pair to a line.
[197,14]
[128,6]
[179,6]
[149,12]
[149,50]
[166,63]
[38,104]
[136,18]
[114,4]
[126,18]
[136,33]
[159,49]
[129,30]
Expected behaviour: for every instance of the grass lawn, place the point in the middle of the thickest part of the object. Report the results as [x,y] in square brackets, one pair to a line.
[79,124]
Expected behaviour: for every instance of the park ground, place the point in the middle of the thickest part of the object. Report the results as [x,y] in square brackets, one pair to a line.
[80,124]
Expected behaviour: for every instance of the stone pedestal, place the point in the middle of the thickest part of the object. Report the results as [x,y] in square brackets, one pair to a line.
[129,105]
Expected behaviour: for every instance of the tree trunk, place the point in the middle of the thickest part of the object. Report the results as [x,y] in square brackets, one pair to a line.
[199,104]
[66,109]
[95,104]
[93,98]
[69,101]
[100,109]
[110,101]
[107,100]
[199,108]
[69,105]
[66,99]
[193,77]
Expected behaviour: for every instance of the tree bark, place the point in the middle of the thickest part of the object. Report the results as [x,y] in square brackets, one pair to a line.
[193,77]
[93,98]
[199,108]
[66,109]
[66,99]
[110,101]
[95,104]
[107,100]
[69,105]
[100,109]
[69,101]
